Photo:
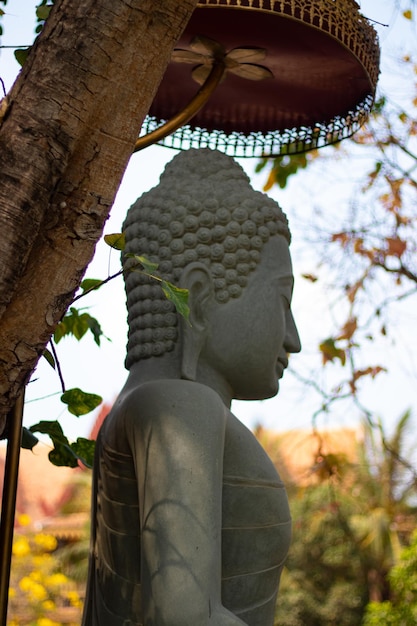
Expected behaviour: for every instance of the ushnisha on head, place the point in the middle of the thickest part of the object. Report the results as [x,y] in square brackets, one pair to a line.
[205,210]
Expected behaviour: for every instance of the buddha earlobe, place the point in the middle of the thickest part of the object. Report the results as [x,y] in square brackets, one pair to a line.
[196,278]
[192,343]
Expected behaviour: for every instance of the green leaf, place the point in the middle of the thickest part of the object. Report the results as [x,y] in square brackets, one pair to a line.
[42,11]
[379,105]
[79,402]
[72,324]
[116,241]
[95,328]
[51,428]
[178,296]
[261,164]
[80,324]
[60,331]
[77,325]
[84,449]
[49,357]
[21,55]
[62,453]
[29,440]
[63,456]
[1,12]
[147,265]
[88,284]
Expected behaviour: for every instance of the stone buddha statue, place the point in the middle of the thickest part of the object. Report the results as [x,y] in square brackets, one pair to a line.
[190,522]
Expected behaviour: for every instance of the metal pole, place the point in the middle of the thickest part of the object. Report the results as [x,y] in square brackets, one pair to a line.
[8,506]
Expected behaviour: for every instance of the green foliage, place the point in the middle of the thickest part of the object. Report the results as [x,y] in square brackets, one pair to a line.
[79,402]
[78,325]
[178,296]
[379,613]
[4,2]
[49,357]
[402,609]
[29,440]
[148,267]
[323,583]
[84,450]
[42,13]
[65,453]
[360,233]
[116,241]
[282,168]
[89,284]
[21,55]
[347,532]
[43,10]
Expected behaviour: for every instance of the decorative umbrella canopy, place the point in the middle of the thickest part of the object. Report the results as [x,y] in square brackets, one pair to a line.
[298,74]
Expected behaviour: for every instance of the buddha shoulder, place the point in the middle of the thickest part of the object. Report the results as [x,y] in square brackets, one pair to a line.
[164,399]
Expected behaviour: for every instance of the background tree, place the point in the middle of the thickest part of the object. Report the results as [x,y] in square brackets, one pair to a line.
[363,249]
[348,529]
[402,608]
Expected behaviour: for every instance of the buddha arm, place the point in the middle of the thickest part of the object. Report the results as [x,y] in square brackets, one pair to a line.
[178,448]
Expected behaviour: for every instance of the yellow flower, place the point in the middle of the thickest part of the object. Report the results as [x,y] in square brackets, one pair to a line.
[38,592]
[56,580]
[23,519]
[48,605]
[25,583]
[47,542]
[74,598]
[33,589]
[12,592]
[21,547]
[41,560]
[36,576]
[45,621]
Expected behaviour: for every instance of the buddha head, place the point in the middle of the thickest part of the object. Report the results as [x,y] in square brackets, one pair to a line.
[204,226]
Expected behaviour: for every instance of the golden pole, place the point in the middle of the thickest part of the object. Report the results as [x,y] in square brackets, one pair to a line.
[8,506]
[184,116]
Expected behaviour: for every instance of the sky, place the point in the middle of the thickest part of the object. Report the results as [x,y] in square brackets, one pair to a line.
[101,370]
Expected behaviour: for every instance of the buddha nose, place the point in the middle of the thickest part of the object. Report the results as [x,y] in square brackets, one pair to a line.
[292,341]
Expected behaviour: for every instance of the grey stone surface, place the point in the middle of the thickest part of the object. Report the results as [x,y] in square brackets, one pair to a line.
[190,521]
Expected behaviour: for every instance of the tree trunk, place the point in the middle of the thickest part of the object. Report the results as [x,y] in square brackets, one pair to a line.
[69,129]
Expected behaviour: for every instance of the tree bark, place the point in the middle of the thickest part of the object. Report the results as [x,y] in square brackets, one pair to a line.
[66,137]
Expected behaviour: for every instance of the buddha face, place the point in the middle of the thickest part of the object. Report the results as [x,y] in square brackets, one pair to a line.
[249,338]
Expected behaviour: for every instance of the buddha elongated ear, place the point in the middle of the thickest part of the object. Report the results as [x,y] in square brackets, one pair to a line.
[197,279]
